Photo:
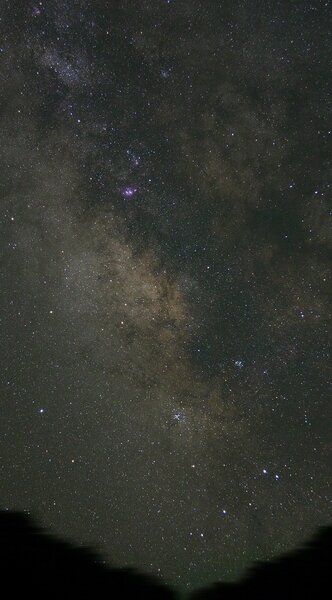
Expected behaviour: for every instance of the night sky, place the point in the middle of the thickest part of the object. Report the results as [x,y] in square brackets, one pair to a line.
[165,187]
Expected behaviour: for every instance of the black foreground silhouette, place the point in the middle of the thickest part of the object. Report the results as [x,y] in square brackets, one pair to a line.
[36,563]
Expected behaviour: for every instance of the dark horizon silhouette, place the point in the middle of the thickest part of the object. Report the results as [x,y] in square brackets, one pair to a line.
[36,562]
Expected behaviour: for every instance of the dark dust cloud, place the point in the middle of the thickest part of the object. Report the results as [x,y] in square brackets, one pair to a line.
[165,270]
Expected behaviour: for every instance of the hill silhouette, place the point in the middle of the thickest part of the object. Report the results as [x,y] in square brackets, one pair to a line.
[302,574]
[33,562]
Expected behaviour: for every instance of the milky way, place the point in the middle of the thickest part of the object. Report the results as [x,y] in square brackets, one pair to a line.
[165,269]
